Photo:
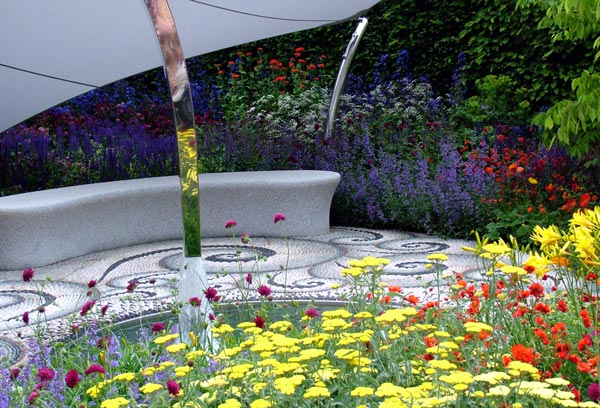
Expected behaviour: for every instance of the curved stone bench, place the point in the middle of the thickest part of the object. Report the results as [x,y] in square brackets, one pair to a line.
[47,226]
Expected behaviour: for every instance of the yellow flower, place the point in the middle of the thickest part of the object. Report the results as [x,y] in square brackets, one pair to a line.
[546,237]
[261,403]
[532,181]
[397,315]
[352,271]
[437,257]
[557,381]
[476,327]
[362,392]
[150,388]
[336,314]
[335,286]
[492,377]
[94,391]
[316,392]
[166,338]
[442,365]
[457,377]
[114,402]
[499,391]
[539,263]
[284,386]
[393,402]
[516,270]
[230,403]
[181,371]
[497,248]
[388,390]
[124,377]
[174,348]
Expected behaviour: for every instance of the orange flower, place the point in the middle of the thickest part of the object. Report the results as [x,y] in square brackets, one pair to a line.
[523,353]
[412,299]
[395,289]
[584,200]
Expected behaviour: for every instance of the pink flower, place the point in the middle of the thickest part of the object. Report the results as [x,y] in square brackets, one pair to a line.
[230,223]
[46,374]
[259,321]
[32,397]
[91,283]
[195,301]
[28,275]
[103,309]
[249,279]
[173,387]
[14,373]
[312,313]
[264,290]
[278,217]
[86,307]
[95,368]
[211,294]
[72,378]
[158,327]
[103,342]
[26,317]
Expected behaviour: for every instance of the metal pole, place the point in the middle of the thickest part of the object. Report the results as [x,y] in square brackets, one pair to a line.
[343,73]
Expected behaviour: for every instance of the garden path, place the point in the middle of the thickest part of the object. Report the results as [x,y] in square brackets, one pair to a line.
[311,272]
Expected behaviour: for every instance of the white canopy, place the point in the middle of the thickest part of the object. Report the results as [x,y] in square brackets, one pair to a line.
[54,50]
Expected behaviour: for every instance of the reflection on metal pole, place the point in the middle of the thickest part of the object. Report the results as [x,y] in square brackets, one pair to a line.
[343,73]
[183,112]
[193,279]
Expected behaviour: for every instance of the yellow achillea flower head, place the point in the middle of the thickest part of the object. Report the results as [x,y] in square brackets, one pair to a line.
[124,377]
[497,248]
[362,392]
[261,403]
[476,327]
[396,315]
[230,403]
[149,388]
[316,392]
[174,348]
[338,313]
[166,338]
[437,257]
[114,403]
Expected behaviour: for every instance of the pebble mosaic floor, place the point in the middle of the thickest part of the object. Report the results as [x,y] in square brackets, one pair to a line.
[302,268]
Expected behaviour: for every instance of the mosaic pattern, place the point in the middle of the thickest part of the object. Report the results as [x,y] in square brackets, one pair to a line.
[299,268]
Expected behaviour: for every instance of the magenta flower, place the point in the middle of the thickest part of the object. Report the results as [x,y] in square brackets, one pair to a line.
[103,309]
[46,374]
[86,307]
[103,342]
[72,378]
[230,223]
[28,275]
[158,327]
[195,301]
[249,279]
[312,313]
[259,321]
[594,391]
[278,217]
[211,294]
[95,368]
[264,290]
[32,397]
[26,317]
[91,283]
[132,285]
[173,387]
[14,373]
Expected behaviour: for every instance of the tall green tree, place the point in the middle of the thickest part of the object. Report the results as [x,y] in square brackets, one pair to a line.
[574,122]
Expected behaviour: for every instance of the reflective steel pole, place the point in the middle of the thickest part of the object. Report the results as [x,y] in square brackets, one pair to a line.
[343,73]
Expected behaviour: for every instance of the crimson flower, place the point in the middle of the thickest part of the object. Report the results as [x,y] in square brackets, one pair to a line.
[14,373]
[249,279]
[95,368]
[211,294]
[32,397]
[91,283]
[195,301]
[278,217]
[26,317]
[594,391]
[173,387]
[46,374]
[158,327]
[312,313]
[103,309]
[264,290]
[259,321]
[28,275]
[86,307]
[72,378]
[230,223]
[132,285]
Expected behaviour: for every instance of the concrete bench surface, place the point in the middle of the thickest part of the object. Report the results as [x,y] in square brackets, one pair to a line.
[44,227]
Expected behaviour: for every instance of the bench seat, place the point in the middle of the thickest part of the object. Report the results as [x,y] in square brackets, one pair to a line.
[44,227]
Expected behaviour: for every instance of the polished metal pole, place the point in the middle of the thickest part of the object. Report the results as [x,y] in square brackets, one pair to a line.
[343,73]
[192,278]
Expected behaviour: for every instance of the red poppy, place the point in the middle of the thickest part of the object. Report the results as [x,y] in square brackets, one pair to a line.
[523,353]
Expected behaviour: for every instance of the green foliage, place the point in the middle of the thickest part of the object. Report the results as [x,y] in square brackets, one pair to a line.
[499,99]
[574,122]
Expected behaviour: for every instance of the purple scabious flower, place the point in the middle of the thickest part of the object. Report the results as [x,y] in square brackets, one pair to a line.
[264,290]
